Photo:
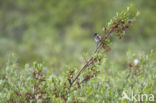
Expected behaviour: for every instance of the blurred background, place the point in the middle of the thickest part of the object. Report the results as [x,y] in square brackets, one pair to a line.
[57,32]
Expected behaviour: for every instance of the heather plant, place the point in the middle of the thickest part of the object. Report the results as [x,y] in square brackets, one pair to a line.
[99,80]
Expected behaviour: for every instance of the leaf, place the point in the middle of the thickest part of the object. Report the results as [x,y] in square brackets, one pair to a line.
[89,91]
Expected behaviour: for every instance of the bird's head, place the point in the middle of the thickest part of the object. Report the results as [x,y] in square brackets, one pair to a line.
[95,34]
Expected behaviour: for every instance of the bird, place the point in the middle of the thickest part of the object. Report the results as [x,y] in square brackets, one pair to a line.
[97,38]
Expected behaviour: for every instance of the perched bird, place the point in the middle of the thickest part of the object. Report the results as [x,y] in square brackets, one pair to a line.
[97,37]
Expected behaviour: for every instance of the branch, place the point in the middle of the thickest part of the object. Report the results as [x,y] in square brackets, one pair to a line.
[118,25]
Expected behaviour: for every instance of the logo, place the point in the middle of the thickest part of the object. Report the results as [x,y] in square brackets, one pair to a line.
[137,97]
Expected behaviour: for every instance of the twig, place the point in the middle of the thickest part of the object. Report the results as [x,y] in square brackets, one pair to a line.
[84,67]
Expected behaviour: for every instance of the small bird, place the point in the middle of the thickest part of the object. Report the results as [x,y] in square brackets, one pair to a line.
[97,38]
